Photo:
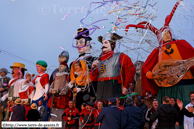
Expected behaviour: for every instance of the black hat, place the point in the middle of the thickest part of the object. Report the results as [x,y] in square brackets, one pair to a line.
[83,35]
[86,97]
[90,103]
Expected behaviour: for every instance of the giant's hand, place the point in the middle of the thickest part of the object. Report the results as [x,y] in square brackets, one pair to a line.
[149,75]
[95,64]
[124,91]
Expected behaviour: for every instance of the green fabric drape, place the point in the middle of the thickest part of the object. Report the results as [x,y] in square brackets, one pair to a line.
[177,91]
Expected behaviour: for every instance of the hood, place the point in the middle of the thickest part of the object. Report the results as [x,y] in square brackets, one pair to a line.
[167,108]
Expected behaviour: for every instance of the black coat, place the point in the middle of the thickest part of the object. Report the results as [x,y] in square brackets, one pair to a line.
[167,116]
[132,118]
[180,113]
[110,117]
[144,108]
[33,115]
[18,113]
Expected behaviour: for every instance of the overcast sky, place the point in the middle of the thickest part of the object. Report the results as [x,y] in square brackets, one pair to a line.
[33,29]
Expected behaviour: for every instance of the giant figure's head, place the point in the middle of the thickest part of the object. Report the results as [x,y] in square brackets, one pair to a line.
[83,40]
[109,41]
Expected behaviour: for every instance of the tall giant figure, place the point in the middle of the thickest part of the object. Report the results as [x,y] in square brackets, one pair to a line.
[168,49]
[113,71]
[42,84]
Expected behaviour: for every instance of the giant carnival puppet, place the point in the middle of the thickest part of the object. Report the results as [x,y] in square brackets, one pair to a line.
[4,84]
[42,84]
[16,83]
[63,57]
[83,46]
[60,93]
[165,73]
[113,71]
[80,81]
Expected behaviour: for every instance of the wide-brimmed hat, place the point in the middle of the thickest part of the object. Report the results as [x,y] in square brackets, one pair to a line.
[34,106]
[84,33]
[16,64]
[18,101]
[26,102]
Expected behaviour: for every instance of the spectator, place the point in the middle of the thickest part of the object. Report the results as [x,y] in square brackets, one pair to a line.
[166,114]
[97,124]
[71,116]
[33,114]
[110,116]
[83,106]
[27,107]
[188,122]
[132,116]
[180,113]
[87,116]
[143,106]
[42,111]
[118,103]
[18,111]
[150,112]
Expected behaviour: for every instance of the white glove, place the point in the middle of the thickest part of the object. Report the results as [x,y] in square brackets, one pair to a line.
[70,85]
[124,90]
[78,90]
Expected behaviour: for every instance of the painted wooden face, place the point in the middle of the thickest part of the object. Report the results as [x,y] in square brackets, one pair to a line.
[15,72]
[167,37]
[39,69]
[106,47]
[81,47]
[77,67]
[62,59]
[62,68]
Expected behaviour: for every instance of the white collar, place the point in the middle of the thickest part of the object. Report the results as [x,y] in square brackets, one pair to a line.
[61,73]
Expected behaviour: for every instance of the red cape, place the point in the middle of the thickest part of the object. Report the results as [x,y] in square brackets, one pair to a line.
[148,85]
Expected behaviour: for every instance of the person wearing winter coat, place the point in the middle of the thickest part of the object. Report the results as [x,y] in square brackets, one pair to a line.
[110,116]
[166,114]
[132,116]
[33,114]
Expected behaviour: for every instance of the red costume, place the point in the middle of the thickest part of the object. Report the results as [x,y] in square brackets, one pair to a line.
[88,117]
[97,124]
[74,114]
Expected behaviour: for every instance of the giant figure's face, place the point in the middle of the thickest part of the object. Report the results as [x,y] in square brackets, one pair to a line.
[62,68]
[77,67]
[62,59]
[167,37]
[81,47]
[106,47]
[15,72]
[39,69]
